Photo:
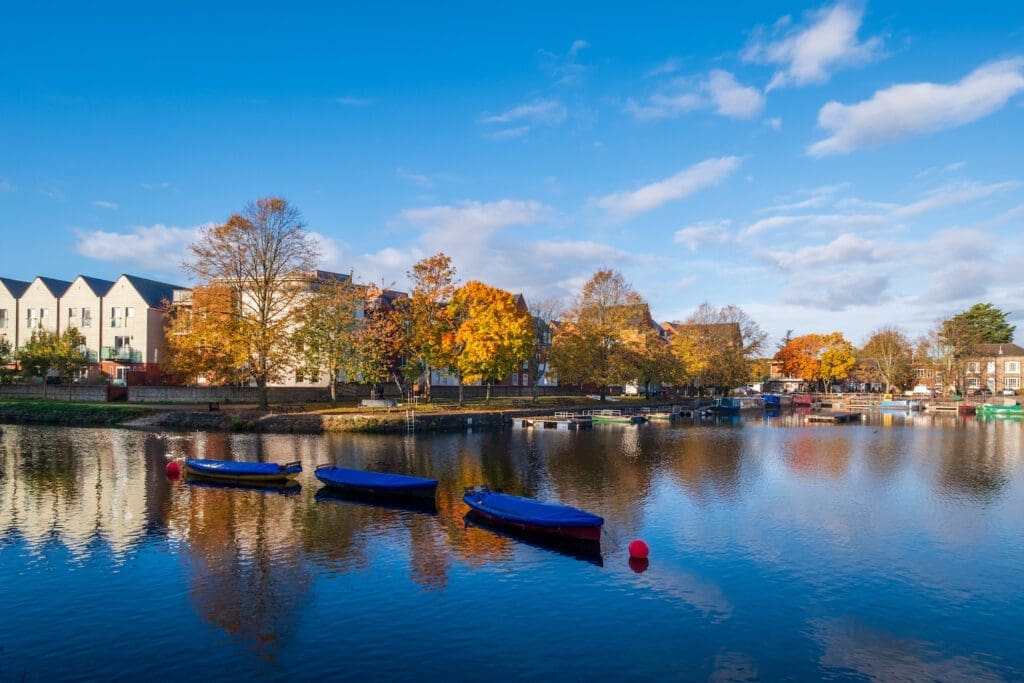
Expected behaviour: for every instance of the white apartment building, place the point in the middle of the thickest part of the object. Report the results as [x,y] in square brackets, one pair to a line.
[122,321]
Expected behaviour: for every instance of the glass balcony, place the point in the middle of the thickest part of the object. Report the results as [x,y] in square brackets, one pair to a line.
[122,353]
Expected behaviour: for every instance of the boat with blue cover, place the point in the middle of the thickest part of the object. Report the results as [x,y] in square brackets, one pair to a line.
[243,472]
[376,483]
[533,516]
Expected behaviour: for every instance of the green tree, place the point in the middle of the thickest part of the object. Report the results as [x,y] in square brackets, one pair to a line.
[987,324]
[328,336]
[6,360]
[264,255]
[47,352]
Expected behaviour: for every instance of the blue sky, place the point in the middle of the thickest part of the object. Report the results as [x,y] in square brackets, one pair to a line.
[823,166]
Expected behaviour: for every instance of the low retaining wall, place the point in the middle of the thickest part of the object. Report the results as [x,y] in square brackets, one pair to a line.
[226,394]
[75,392]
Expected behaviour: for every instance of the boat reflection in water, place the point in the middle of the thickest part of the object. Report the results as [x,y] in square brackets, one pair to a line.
[285,488]
[578,549]
[379,500]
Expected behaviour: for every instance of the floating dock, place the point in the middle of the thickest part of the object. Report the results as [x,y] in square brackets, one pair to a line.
[615,417]
[833,418]
[565,420]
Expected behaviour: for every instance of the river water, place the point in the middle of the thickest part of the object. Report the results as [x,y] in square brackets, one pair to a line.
[889,549]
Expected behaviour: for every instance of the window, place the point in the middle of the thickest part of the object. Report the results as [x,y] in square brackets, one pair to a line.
[1011,383]
[129,312]
[3,318]
[1012,367]
[32,318]
[86,317]
[922,373]
[990,367]
[974,366]
[72,315]
[526,365]
[526,379]
[515,379]
[122,342]
[973,383]
[117,317]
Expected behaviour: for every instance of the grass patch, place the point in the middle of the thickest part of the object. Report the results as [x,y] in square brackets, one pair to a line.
[44,411]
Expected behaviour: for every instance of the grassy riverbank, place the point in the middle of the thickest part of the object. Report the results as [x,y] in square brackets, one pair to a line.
[49,412]
[438,416]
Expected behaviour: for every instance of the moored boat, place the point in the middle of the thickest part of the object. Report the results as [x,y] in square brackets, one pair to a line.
[732,405]
[243,472]
[376,483]
[900,404]
[615,417]
[777,401]
[1002,410]
[533,516]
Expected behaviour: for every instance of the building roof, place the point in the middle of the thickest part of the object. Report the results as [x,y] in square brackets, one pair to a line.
[15,287]
[98,286]
[1008,349]
[56,287]
[154,293]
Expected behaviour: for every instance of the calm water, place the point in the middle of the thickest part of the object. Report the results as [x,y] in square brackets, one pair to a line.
[891,549]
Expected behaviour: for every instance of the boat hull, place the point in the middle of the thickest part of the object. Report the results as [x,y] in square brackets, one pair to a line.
[534,517]
[365,483]
[242,473]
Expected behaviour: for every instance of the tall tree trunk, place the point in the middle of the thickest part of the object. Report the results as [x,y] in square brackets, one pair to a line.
[602,391]
[460,391]
[427,383]
[261,387]
[487,399]
[334,390]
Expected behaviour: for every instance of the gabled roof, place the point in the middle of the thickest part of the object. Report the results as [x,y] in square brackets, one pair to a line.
[153,293]
[98,286]
[56,287]
[998,350]
[15,287]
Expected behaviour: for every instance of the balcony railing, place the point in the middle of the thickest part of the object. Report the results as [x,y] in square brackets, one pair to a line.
[122,353]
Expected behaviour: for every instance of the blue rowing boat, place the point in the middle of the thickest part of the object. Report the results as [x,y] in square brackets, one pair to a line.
[243,472]
[376,483]
[534,516]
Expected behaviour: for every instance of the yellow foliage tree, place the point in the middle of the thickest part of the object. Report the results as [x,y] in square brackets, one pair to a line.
[205,340]
[494,335]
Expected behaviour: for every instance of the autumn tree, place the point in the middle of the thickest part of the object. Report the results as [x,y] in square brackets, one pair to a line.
[433,284]
[263,255]
[718,346]
[836,359]
[494,336]
[653,361]
[204,338]
[381,343]
[800,357]
[818,358]
[588,347]
[889,352]
[328,337]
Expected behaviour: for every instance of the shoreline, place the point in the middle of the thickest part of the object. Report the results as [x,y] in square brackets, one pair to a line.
[56,413]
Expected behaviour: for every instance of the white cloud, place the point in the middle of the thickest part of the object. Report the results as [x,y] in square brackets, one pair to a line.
[471,219]
[719,91]
[732,99]
[775,123]
[669,66]
[155,186]
[710,172]
[844,250]
[810,53]
[104,204]
[564,68]
[706,232]
[350,101]
[509,133]
[156,248]
[547,112]
[838,291]
[414,178]
[5,186]
[905,110]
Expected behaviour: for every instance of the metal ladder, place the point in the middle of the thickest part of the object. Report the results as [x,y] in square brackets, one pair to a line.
[410,421]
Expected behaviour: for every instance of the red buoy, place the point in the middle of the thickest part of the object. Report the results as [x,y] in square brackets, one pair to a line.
[173,469]
[639,550]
